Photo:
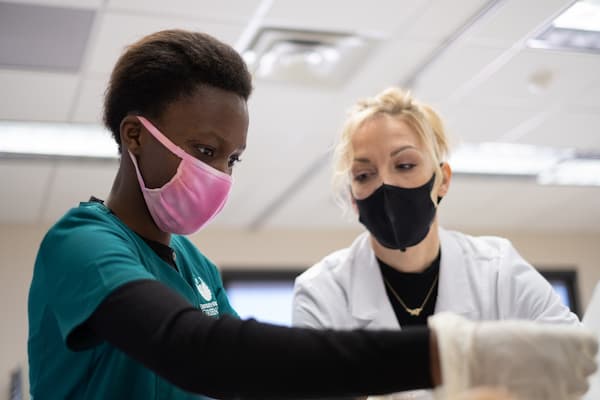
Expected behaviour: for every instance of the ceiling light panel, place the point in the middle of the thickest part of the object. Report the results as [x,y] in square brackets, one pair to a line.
[58,140]
[582,15]
[547,165]
[496,158]
[575,172]
[577,28]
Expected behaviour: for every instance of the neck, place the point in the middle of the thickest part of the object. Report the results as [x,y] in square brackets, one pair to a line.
[416,258]
[127,202]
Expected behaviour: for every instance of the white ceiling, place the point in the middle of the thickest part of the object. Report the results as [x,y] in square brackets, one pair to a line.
[479,81]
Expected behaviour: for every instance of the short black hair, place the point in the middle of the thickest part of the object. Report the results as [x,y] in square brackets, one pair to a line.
[166,66]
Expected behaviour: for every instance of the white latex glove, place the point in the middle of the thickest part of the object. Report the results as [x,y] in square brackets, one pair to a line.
[532,361]
[474,394]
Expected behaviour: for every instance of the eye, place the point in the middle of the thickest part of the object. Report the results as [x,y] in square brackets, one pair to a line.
[406,166]
[234,159]
[206,151]
[361,177]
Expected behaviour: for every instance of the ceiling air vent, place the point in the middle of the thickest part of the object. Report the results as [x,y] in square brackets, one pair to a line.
[306,57]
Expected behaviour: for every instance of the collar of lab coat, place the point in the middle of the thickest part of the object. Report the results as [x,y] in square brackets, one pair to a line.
[368,298]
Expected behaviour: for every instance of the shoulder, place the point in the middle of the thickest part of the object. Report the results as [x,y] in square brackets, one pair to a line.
[335,268]
[87,254]
[324,267]
[479,247]
[88,225]
[82,215]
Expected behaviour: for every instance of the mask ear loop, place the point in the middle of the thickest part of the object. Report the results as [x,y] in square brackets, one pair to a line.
[179,152]
[439,198]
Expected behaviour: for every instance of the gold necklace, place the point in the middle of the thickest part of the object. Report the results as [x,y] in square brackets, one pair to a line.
[415,312]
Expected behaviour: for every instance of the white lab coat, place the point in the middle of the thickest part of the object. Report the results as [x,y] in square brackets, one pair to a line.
[480,278]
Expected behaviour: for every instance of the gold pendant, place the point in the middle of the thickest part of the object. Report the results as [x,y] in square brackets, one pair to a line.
[414,311]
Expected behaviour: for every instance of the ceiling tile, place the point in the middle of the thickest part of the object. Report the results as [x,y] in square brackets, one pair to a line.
[222,10]
[469,124]
[120,30]
[440,19]
[383,16]
[565,75]
[59,36]
[587,99]
[391,62]
[455,68]
[281,146]
[567,129]
[36,96]
[88,105]
[63,3]
[312,206]
[24,184]
[514,20]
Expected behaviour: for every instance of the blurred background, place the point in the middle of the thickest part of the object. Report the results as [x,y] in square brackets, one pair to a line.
[516,82]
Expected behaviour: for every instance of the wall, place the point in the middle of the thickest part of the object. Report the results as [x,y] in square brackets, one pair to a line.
[274,249]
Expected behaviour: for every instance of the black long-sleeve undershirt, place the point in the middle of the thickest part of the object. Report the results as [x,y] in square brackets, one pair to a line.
[159,328]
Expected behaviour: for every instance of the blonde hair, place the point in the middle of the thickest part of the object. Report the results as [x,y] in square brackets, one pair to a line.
[394,102]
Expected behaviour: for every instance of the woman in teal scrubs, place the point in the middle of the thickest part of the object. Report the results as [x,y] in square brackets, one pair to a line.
[123,306]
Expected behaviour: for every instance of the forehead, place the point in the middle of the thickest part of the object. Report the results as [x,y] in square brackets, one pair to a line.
[207,109]
[384,131]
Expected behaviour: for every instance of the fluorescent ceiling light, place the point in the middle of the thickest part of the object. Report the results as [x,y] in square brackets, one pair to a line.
[578,28]
[549,166]
[497,158]
[583,15]
[56,139]
[577,172]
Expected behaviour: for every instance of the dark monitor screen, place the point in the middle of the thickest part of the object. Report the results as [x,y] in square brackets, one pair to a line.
[564,283]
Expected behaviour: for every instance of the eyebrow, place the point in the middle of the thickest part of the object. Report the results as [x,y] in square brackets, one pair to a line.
[401,149]
[393,153]
[222,141]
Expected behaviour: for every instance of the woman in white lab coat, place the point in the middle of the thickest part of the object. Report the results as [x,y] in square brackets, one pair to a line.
[390,164]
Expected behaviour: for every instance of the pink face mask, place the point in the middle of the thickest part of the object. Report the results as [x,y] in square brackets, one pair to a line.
[195,194]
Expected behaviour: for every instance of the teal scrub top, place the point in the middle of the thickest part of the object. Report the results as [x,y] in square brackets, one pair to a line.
[85,256]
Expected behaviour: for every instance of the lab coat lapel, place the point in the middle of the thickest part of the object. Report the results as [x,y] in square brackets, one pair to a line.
[454,291]
[369,304]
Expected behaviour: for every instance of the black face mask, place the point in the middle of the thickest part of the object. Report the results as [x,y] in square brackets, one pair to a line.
[397,217]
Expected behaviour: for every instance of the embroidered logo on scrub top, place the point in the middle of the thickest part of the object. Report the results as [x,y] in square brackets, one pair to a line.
[210,308]
[203,289]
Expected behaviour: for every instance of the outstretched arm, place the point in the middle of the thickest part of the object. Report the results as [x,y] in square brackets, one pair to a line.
[248,359]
